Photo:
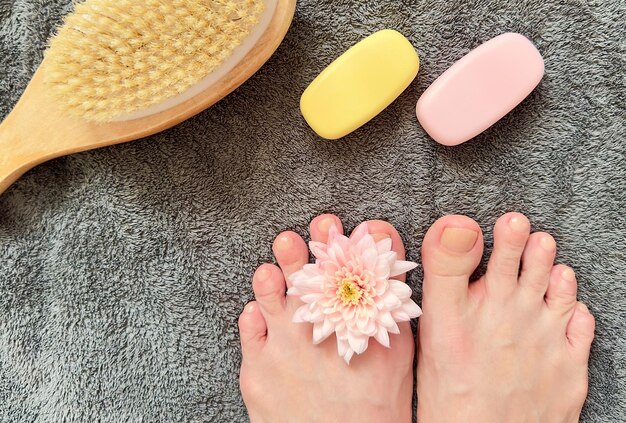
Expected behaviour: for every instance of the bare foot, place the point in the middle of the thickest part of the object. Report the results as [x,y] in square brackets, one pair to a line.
[510,347]
[285,378]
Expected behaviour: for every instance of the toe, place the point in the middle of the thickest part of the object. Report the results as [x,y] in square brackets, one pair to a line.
[291,253]
[380,230]
[510,234]
[269,289]
[537,263]
[561,293]
[252,329]
[451,251]
[321,224]
[580,331]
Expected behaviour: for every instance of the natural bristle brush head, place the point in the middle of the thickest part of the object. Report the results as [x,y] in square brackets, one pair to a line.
[120,70]
[116,57]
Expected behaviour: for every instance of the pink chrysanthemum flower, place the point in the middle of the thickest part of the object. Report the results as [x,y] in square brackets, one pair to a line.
[349,290]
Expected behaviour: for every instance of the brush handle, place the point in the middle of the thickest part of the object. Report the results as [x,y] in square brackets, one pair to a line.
[35,131]
[16,158]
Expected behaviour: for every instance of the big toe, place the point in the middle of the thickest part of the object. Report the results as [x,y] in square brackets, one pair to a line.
[451,251]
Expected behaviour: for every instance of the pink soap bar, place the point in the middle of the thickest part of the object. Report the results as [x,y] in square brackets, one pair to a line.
[480,88]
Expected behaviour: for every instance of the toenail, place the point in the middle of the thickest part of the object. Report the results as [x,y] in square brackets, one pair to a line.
[263,274]
[325,224]
[459,240]
[518,224]
[250,308]
[568,275]
[380,237]
[583,308]
[547,243]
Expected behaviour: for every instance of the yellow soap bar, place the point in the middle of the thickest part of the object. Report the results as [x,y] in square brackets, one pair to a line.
[359,84]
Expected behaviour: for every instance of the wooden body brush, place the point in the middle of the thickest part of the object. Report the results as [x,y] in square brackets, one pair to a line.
[120,70]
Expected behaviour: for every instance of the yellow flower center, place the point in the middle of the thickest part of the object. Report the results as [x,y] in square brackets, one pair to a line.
[349,292]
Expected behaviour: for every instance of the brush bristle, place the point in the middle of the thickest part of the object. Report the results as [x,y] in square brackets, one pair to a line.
[115,57]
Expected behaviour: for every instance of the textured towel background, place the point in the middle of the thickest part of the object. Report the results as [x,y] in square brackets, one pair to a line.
[123,270]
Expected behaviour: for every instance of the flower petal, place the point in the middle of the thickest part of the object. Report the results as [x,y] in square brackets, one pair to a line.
[400,315]
[401,266]
[343,242]
[387,259]
[348,355]
[310,269]
[309,284]
[369,258]
[329,267]
[384,263]
[358,342]
[385,319]
[333,232]
[359,232]
[348,313]
[337,254]
[328,328]
[400,289]
[294,291]
[391,301]
[302,314]
[412,309]
[382,273]
[321,331]
[381,286]
[382,336]
[384,245]
[341,330]
[342,347]
[317,332]
[394,329]
[366,243]
[319,250]
[311,298]
[366,326]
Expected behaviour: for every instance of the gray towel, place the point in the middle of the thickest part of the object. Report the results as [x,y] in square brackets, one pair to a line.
[123,270]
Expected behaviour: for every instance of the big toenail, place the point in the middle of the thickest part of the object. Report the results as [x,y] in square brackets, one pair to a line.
[459,240]
[568,275]
[250,308]
[518,224]
[263,274]
[547,243]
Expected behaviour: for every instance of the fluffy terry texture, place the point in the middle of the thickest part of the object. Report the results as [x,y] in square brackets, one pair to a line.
[123,270]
